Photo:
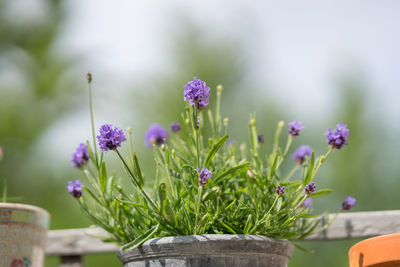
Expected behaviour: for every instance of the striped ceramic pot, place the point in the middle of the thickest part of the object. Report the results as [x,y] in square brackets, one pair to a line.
[23,231]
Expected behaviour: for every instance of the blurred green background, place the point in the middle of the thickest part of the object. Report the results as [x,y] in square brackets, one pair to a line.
[44,113]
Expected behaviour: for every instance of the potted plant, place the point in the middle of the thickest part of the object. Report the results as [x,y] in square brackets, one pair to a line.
[23,232]
[212,202]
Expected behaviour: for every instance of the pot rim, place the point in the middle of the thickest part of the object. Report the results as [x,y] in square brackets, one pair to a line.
[28,207]
[219,244]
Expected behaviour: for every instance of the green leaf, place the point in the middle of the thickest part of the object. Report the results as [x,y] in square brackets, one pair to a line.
[231,172]
[91,180]
[141,239]
[278,204]
[138,170]
[320,193]
[132,203]
[170,215]
[306,250]
[103,177]
[91,156]
[215,149]
[93,196]
[109,188]
[227,227]
[162,194]
[273,167]
[308,177]
[248,224]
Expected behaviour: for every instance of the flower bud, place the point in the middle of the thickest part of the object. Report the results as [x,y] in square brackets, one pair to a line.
[281,124]
[226,121]
[89,77]
[219,88]
[129,130]
[1,153]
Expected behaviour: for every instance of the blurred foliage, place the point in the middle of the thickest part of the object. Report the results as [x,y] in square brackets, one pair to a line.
[38,87]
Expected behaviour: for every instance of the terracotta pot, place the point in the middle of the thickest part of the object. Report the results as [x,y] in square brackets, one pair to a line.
[210,250]
[380,251]
[23,232]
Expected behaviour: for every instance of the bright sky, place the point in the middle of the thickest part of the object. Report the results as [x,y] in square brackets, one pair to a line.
[299,47]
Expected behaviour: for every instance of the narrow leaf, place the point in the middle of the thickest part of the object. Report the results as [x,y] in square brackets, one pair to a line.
[320,193]
[215,149]
[141,239]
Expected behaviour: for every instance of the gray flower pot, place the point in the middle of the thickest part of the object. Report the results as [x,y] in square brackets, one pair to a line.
[210,250]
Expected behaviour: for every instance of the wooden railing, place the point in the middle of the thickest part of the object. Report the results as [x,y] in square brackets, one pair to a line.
[71,244]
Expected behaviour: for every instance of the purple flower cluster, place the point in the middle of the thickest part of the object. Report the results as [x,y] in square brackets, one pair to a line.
[338,137]
[348,203]
[109,138]
[175,127]
[300,154]
[75,188]
[260,139]
[280,190]
[295,128]
[310,188]
[204,175]
[156,134]
[307,203]
[197,93]
[81,156]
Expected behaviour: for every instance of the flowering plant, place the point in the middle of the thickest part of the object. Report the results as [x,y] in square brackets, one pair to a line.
[205,183]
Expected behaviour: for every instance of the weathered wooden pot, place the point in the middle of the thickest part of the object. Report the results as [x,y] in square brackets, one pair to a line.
[23,232]
[210,250]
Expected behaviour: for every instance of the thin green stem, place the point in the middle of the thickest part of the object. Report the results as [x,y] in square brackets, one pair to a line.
[92,121]
[273,204]
[198,198]
[195,111]
[288,143]
[145,195]
[136,181]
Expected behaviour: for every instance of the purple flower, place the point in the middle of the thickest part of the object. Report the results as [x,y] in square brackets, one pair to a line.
[260,139]
[307,203]
[310,188]
[175,127]
[280,190]
[348,203]
[301,153]
[204,175]
[80,156]
[156,134]
[197,93]
[338,137]
[295,128]
[109,138]
[75,188]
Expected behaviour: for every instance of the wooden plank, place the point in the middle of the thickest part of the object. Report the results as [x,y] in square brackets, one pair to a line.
[360,225]
[346,225]
[77,242]
[71,261]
